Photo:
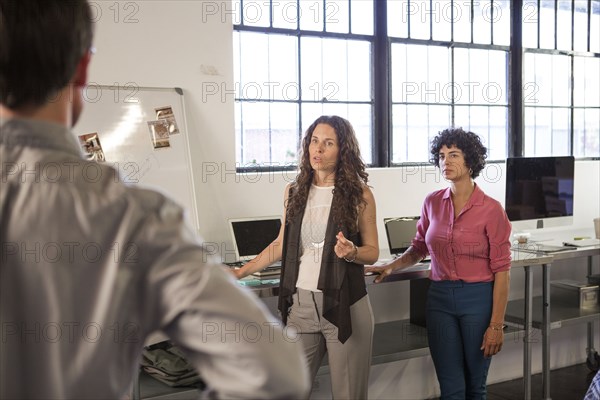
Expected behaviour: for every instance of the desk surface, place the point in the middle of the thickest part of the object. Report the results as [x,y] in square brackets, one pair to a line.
[270,286]
[524,257]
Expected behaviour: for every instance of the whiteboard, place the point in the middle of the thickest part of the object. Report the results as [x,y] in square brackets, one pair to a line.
[144,155]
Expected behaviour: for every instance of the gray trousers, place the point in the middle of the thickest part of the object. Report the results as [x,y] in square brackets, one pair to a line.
[350,362]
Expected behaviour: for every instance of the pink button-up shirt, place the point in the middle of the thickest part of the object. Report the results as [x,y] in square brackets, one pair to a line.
[471,247]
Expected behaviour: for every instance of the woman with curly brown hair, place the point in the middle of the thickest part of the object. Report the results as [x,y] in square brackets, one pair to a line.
[467,234]
[329,233]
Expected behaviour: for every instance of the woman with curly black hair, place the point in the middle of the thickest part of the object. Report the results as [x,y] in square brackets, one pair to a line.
[467,234]
[329,233]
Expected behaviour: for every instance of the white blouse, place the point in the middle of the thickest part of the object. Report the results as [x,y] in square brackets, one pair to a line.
[314,225]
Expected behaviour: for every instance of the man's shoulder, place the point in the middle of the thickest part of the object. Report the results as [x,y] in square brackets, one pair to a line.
[103,184]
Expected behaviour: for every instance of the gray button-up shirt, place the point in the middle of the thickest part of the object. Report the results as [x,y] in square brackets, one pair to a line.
[89,267]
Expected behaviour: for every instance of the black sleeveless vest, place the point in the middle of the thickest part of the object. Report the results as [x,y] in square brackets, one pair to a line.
[341,282]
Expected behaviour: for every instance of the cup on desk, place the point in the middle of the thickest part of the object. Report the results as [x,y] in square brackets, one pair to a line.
[522,237]
[597,227]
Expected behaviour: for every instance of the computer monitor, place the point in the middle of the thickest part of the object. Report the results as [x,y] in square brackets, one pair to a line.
[400,232]
[539,191]
[252,235]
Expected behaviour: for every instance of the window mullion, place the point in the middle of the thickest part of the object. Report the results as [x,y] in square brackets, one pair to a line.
[516,134]
[380,61]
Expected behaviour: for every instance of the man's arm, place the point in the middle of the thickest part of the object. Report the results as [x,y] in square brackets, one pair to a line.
[239,348]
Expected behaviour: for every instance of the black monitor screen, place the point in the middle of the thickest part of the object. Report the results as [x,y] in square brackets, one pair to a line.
[253,235]
[539,187]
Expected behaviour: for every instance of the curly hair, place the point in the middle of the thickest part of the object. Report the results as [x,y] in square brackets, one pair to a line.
[468,142]
[350,175]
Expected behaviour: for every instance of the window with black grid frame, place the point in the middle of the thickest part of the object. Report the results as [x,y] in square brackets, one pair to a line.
[401,70]
[561,65]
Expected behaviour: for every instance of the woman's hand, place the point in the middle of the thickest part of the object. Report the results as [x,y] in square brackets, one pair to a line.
[237,273]
[493,339]
[382,271]
[345,249]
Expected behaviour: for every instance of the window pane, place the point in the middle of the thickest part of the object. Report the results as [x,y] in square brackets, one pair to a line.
[359,71]
[439,79]
[586,135]
[561,78]
[419,13]
[426,81]
[442,19]
[398,70]
[322,77]
[547,32]
[267,133]
[359,115]
[362,17]
[265,66]
[255,13]
[480,76]
[547,79]
[561,132]
[482,19]
[285,14]
[397,18]
[529,135]
[311,15]
[587,82]
[337,16]
[284,133]
[253,136]
[546,131]
[413,128]
[501,21]
[580,26]
[531,89]
[283,68]
[490,123]
[563,25]
[253,65]
[530,23]
[462,21]
[498,136]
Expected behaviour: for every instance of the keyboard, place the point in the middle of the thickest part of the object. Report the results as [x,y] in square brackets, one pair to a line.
[269,271]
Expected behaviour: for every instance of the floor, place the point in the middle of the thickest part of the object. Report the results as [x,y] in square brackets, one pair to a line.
[565,383]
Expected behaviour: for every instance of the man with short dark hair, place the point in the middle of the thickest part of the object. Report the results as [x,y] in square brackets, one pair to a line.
[89,269]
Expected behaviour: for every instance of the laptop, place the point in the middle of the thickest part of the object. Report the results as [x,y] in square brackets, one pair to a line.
[251,236]
[400,232]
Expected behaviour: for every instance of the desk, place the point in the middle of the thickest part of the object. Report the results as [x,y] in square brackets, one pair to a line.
[270,289]
[520,313]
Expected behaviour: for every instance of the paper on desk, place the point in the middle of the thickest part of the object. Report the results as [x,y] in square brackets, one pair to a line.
[257,282]
[583,242]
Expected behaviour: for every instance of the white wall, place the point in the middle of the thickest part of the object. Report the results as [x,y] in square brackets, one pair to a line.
[188,44]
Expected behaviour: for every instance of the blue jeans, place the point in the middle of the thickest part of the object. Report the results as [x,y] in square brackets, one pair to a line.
[458,314]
